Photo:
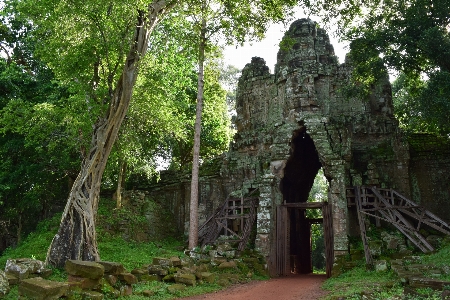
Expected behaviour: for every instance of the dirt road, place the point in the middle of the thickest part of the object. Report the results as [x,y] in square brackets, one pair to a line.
[305,287]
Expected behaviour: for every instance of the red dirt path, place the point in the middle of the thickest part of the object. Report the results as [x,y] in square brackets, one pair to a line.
[305,287]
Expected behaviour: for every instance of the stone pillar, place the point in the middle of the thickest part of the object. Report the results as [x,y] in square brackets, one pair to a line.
[338,201]
[264,219]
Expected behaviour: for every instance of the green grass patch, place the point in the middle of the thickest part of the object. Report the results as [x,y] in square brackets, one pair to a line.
[356,282]
[36,244]
[134,255]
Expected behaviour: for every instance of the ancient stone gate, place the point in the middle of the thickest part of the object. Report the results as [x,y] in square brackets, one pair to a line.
[298,120]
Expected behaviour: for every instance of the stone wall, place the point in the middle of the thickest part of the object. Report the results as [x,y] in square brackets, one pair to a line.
[430,173]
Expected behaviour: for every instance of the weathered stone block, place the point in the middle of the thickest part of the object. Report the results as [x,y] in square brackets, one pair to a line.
[44,273]
[228,265]
[111,279]
[174,288]
[86,269]
[421,282]
[208,277]
[112,268]
[139,272]
[85,283]
[176,261]
[126,290]
[169,278]
[23,267]
[151,277]
[223,282]
[380,265]
[157,270]
[42,289]
[188,279]
[4,284]
[13,280]
[127,278]
[162,261]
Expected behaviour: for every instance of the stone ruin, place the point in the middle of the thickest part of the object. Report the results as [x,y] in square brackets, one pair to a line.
[298,120]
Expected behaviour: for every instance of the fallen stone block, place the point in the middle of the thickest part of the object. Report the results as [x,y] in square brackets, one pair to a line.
[84,283]
[44,273]
[86,269]
[228,265]
[208,277]
[111,279]
[176,261]
[380,265]
[4,284]
[126,290]
[139,272]
[188,279]
[12,280]
[23,267]
[169,278]
[157,270]
[151,277]
[422,282]
[112,268]
[127,278]
[42,289]
[162,261]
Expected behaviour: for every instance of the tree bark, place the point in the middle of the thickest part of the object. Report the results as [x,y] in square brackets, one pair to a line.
[193,216]
[76,237]
[120,182]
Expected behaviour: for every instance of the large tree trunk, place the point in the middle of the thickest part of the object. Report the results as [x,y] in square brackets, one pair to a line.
[193,216]
[76,237]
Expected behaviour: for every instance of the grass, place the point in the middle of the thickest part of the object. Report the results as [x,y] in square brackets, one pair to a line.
[354,283]
[35,244]
[359,282]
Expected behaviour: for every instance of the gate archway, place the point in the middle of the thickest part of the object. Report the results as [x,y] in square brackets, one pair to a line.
[285,250]
[293,225]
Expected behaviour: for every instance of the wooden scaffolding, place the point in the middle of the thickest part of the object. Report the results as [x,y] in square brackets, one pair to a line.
[234,218]
[390,206]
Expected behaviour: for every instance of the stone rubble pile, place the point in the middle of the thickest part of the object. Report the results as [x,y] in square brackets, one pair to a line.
[97,280]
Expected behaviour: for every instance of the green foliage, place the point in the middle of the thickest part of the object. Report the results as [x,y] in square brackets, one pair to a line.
[423,105]
[412,38]
[36,243]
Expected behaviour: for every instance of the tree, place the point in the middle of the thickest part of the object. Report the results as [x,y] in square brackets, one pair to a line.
[234,21]
[156,120]
[86,44]
[412,38]
[216,130]
[35,138]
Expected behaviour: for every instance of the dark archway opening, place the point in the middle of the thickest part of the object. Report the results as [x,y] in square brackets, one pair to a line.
[299,174]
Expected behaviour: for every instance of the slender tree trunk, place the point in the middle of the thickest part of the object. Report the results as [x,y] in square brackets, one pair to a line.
[193,217]
[120,183]
[76,237]
[19,230]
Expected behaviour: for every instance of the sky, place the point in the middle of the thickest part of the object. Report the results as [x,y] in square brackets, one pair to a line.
[268,47]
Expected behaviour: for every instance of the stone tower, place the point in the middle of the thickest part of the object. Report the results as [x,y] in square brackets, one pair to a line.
[298,120]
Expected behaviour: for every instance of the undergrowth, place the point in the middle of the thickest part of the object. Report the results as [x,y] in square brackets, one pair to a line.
[112,247]
[360,283]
